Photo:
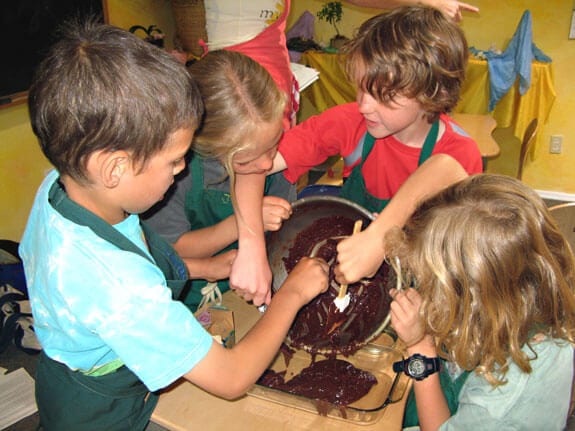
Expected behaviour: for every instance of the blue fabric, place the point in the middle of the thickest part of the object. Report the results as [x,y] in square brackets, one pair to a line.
[513,62]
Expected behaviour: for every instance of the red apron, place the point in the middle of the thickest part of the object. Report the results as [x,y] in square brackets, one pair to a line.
[269,49]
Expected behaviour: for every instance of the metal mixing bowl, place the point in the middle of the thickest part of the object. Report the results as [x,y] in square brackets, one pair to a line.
[306,211]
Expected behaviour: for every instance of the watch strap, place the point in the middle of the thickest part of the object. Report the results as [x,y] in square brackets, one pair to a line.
[430,366]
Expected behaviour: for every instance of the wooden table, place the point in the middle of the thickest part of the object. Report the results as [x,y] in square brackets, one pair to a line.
[186,407]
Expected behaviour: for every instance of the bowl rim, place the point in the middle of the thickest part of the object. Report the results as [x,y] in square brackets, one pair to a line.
[371,217]
[326,198]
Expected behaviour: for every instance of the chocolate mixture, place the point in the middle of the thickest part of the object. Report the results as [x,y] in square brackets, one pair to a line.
[320,326]
[334,381]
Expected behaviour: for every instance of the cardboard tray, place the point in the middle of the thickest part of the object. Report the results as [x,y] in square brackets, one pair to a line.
[377,358]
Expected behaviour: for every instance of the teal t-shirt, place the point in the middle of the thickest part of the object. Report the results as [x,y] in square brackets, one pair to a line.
[94,303]
[535,401]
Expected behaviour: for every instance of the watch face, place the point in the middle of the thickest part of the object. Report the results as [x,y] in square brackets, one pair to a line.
[416,367]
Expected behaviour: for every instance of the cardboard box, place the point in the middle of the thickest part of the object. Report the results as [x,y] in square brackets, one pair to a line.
[219,322]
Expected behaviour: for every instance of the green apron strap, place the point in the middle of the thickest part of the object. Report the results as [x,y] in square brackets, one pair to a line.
[426,150]
[429,143]
[81,216]
[171,264]
[368,144]
[451,389]
[354,187]
[163,254]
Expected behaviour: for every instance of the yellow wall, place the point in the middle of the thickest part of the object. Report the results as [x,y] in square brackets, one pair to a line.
[126,13]
[22,164]
[496,24]
[22,167]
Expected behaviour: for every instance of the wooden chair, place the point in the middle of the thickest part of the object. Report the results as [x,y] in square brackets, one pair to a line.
[528,137]
[564,215]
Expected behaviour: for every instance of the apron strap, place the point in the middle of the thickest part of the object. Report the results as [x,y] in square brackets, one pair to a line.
[368,143]
[163,255]
[429,143]
[426,150]
[81,216]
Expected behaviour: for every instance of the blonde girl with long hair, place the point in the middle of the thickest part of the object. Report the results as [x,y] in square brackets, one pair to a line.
[238,137]
[493,297]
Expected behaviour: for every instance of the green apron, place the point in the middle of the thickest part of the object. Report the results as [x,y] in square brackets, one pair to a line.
[451,389]
[72,400]
[207,205]
[354,187]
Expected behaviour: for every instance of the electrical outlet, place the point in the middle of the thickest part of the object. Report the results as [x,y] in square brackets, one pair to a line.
[555,144]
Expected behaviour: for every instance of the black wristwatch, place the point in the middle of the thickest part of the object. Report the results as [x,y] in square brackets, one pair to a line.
[418,367]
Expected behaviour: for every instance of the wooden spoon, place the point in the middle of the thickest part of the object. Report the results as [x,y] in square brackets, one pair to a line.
[343,298]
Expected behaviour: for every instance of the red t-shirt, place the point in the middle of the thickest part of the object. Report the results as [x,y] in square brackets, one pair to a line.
[338,130]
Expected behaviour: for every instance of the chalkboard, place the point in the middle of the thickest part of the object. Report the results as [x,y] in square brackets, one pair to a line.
[29,28]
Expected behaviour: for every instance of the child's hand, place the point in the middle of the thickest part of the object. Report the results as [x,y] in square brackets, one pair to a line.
[251,275]
[308,278]
[219,266]
[275,210]
[358,256]
[405,317]
[452,8]
[212,268]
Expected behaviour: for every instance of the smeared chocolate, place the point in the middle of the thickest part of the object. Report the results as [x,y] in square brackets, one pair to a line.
[332,381]
[320,326]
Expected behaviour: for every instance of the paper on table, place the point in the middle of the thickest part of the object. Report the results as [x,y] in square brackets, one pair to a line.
[304,75]
[17,399]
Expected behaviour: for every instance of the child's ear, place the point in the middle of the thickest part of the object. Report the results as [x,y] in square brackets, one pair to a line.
[113,166]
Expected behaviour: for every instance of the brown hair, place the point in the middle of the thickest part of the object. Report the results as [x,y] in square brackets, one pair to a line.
[412,51]
[239,94]
[102,88]
[492,268]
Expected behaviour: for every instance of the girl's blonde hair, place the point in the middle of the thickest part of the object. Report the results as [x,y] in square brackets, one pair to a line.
[239,95]
[492,268]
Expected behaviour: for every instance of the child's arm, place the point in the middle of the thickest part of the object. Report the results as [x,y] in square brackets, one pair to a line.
[251,274]
[230,372]
[432,408]
[197,247]
[203,243]
[211,268]
[362,254]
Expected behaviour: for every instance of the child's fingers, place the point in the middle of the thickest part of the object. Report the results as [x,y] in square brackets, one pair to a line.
[279,202]
[468,7]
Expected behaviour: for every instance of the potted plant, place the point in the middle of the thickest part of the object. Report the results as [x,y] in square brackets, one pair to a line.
[332,13]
